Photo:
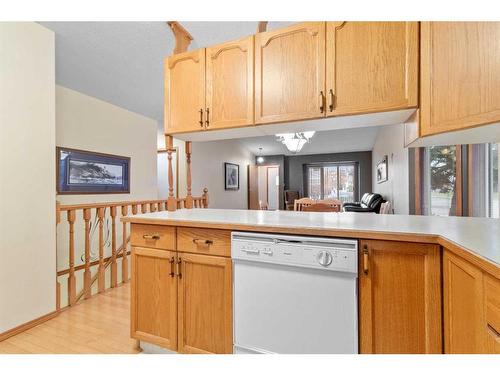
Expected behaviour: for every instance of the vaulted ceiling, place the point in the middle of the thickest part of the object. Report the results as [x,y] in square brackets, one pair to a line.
[122,62]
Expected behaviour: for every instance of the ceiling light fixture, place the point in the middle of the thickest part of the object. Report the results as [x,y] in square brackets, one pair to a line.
[260,158]
[295,141]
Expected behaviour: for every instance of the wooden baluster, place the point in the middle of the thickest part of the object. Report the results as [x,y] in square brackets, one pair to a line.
[114,266]
[171,202]
[205,198]
[71,277]
[124,247]
[152,207]
[58,284]
[101,276]
[87,277]
[134,209]
[188,203]
[144,208]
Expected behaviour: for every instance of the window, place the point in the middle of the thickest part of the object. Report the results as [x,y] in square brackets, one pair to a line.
[493,153]
[440,181]
[332,180]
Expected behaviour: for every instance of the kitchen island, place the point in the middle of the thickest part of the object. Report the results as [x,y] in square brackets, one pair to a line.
[426,284]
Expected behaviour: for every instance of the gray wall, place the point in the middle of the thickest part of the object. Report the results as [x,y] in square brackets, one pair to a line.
[293,168]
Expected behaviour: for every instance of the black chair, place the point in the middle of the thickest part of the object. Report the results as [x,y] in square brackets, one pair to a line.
[370,202]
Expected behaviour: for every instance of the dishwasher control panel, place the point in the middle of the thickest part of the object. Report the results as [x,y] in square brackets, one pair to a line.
[333,254]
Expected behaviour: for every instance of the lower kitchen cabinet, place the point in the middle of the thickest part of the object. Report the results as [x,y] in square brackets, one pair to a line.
[154,297]
[205,304]
[471,308]
[399,297]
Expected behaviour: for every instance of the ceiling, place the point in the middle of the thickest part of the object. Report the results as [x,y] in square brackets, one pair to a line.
[324,142]
[122,62]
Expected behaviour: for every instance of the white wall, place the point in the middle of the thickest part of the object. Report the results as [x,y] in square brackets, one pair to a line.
[208,171]
[27,174]
[86,123]
[390,141]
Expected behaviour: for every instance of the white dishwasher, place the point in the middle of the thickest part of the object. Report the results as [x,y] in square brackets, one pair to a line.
[294,294]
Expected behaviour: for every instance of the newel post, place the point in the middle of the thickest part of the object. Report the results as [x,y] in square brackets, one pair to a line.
[188,203]
[171,202]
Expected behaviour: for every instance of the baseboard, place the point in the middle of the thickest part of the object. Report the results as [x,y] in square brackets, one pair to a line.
[24,327]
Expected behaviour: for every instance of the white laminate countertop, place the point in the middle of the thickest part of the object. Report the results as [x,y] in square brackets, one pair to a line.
[480,236]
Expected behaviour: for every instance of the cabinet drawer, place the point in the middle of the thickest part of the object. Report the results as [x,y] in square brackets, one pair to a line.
[204,241]
[156,236]
[492,296]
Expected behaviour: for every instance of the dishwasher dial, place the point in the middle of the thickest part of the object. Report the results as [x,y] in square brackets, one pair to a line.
[324,258]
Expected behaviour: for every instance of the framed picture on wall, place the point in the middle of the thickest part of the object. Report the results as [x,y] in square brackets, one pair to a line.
[87,172]
[232,176]
[382,170]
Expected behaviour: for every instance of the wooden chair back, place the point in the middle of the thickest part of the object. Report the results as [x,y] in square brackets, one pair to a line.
[321,207]
[299,204]
[263,205]
[385,208]
[332,202]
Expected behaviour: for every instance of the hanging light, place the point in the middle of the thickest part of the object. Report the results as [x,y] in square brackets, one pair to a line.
[295,141]
[260,158]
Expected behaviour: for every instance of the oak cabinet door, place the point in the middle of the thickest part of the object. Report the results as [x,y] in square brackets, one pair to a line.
[492,314]
[399,297]
[371,66]
[290,73]
[463,306]
[205,304]
[229,84]
[154,297]
[460,75]
[185,92]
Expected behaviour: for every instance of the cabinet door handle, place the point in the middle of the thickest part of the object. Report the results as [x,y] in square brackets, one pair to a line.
[179,274]
[322,98]
[365,259]
[332,98]
[172,261]
[151,236]
[201,117]
[207,123]
[197,241]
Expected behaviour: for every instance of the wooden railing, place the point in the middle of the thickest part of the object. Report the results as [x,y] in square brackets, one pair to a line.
[106,221]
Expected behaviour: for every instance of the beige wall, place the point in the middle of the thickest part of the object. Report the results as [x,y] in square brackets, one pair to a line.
[27,174]
[208,171]
[390,140]
[84,122]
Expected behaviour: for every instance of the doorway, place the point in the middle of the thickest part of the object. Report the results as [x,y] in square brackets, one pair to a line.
[263,187]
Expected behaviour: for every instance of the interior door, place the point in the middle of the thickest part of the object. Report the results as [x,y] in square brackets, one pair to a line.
[185,92]
[205,304]
[253,187]
[290,73]
[399,298]
[154,297]
[229,84]
[273,188]
[371,66]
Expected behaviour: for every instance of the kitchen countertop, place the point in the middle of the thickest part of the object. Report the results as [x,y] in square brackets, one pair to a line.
[478,236]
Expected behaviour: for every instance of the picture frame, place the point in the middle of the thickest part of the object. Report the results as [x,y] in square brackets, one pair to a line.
[88,172]
[382,172]
[231,176]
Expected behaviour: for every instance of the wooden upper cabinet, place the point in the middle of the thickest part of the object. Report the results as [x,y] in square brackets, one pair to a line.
[185,92]
[399,297]
[290,73]
[371,66]
[154,297]
[205,304]
[460,75]
[229,84]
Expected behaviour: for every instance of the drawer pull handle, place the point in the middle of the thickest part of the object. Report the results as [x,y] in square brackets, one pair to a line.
[151,236]
[365,260]
[179,274]
[197,241]
[172,261]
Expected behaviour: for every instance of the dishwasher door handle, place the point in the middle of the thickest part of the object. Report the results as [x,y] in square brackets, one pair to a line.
[250,251]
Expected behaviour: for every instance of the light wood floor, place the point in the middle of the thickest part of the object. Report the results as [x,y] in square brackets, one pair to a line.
[98,325]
